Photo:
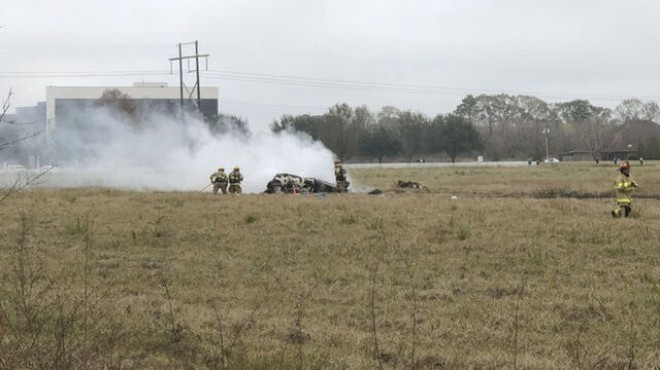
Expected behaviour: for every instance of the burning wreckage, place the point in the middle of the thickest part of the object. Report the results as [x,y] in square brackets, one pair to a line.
[400,184]
[291,184]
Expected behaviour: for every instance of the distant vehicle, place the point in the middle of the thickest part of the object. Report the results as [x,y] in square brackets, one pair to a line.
[551,160]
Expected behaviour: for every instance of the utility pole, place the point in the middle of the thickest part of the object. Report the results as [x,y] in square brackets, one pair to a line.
[182,85]
[546,131]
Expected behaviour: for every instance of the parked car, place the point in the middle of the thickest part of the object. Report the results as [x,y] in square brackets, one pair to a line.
[551,160]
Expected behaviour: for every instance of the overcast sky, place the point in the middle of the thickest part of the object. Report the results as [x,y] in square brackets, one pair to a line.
[270,57]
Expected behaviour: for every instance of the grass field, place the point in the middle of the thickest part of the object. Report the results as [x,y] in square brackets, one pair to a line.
[525,270]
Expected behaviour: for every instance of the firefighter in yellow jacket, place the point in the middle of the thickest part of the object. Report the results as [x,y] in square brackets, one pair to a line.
[219,181]
[340,177]
[624,186]
[235,179]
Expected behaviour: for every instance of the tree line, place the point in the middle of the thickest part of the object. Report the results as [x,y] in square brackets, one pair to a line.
[496,126]
[358,133]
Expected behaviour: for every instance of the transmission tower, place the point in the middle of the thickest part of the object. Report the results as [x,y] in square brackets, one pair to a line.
[190,68]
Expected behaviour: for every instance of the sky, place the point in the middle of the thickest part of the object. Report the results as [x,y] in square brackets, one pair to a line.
[270,58]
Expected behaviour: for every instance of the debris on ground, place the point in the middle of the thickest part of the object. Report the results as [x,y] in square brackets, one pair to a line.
[400,184]
[291,184]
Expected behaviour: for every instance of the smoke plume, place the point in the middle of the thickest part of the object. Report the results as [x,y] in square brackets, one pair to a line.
[160,152]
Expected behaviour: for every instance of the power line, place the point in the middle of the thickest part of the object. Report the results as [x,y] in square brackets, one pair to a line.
[315,82]
[232,102]
[324,82]
[388,87]
[48,74]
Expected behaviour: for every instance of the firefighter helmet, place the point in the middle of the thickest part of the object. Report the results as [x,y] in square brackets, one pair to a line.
[221,169]
[236,168]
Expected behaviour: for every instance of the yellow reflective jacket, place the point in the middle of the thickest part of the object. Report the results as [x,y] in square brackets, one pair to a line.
[340,173]
[235,178]
[218,177]
[624,185]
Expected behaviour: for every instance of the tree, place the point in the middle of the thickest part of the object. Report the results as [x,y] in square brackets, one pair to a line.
[649,148]
[635,109]
[380,142]
[6,143]
[413,129]
[388,118]
[388,115]
[333,131]
[11,141]
[5,108]
[224,123]
[500,118]
[358,126]
[590,124]
[629,109]
[651,112]
[536,123]
[468,108]
[304,123]
[456,136]
[118,103]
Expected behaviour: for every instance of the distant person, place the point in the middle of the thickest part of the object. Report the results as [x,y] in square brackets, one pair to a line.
[641,161]
[529,161]
[219,181]
[623,185]
[340,177]
[235,178]
[615,160]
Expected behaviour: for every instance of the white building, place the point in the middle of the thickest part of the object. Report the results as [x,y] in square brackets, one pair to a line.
[61,98]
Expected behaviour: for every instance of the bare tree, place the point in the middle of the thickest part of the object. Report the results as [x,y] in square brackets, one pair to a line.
[6,143]
[5,107]
[651,111]
[20,182]
[629,109]
[590,124]
[635,109]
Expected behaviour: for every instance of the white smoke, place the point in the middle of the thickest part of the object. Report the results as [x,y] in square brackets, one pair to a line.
[163,153]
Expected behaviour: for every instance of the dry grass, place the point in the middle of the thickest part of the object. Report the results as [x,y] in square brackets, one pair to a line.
[580,177]
[184,280]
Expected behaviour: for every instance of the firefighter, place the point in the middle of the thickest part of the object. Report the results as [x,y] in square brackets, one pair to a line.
[340,177]
[235,179]
[623,185]
[219,181]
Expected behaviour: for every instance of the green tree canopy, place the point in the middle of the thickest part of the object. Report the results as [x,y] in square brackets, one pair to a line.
[303,123]
[456,135]
[380,142]
[413,129]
